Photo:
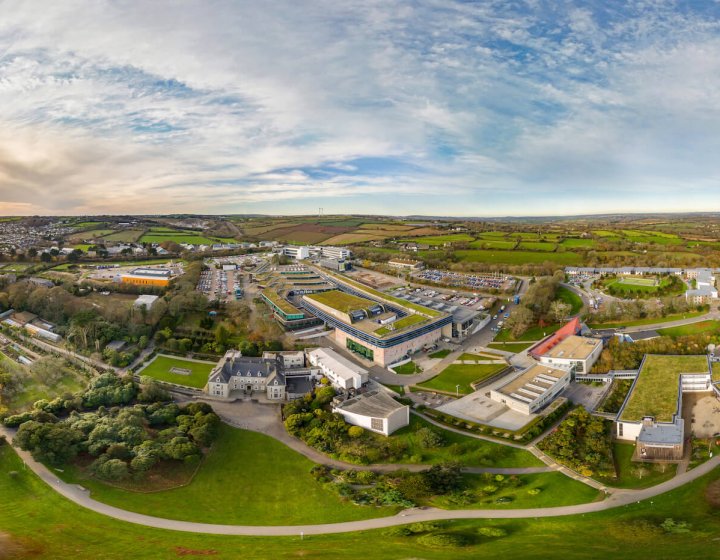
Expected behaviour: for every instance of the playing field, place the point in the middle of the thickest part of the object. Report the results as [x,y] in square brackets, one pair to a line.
[637,281]
[459,377]
[178,370]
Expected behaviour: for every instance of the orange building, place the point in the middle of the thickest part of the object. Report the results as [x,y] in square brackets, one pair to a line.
[147,277]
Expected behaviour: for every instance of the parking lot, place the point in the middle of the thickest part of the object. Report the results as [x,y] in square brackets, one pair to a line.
[444,302]
[221,285]
[470,281]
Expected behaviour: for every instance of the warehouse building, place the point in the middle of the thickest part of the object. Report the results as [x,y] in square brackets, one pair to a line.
[159,277]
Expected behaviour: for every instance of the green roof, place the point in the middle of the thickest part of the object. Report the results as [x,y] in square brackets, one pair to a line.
[432,313]
[407,321]
[341,301]
[281,303]
[655,392]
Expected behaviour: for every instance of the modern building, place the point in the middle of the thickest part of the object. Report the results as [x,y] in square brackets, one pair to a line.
[532,389]
[375,411]
[298,252]
[338,253]
[375,325]
[338,265]
[342,373]
[146,301]
[159,277]
[565,349]
[651,415]
[277,375]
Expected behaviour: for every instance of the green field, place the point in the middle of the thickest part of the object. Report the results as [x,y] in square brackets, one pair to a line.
[648,321]
[436,240]
[573,243]
[177,238]
[439,354]
[511,346]
[160,368]
[537,246]
[655,393]
[247,478]
[571,298]
[126,236]
[463,375]
[701,327]
[532,334]
[510,257]
[493,244]
[38,523]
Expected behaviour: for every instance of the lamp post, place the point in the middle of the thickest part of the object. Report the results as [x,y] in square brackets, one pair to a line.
[457,390]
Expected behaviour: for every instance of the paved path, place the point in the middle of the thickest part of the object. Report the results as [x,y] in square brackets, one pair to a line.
[265,419]
[80,496]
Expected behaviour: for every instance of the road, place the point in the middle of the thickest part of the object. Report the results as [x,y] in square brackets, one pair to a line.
[81,497]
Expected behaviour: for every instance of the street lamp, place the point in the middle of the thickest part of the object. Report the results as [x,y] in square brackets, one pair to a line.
[457,390]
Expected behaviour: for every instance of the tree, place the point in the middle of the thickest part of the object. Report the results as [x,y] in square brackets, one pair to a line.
[521,320]
[45,257]
[559,310]
[54,443]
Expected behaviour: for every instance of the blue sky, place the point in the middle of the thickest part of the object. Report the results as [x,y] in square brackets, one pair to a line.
[435,107]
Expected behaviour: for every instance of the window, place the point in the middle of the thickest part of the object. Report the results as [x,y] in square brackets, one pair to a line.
[377,424]
[620,429]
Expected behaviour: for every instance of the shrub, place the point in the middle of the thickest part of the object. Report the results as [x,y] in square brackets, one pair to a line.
[355,431]
[442,540]
[493,532]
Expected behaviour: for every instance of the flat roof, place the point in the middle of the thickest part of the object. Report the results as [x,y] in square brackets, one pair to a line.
[374,404]
[533,383]
[342,301]
[656,390]
[663,434]
[574,348]
[284,305]
[339,364]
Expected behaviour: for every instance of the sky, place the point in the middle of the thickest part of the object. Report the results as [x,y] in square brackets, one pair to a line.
[433,107]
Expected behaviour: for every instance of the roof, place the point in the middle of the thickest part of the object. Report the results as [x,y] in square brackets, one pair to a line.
[573,348]
[656,389]
[146,300]
[533,383]
[340,365]
[374,404]
[571,328]
[234,364]
[342,301]
[662,434]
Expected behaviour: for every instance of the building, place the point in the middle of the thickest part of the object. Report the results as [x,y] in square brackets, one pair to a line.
[405,264]
[338,265]
[704,290]
[377,326]
[146,301]
[298,252]
[342,373]
[375,411]
[567,350]
[532,389]
[276,375]
[337,253]
[159,277]
[33,324]
[651,415]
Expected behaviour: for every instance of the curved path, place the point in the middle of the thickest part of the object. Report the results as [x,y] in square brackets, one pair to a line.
[81,497]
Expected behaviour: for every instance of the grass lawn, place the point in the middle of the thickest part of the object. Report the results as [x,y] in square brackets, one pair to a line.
[556,489]
[701,327]
[440,353]
[36,522]
[628,472]
[511,346]
[532,334]
[649,321]
[655,392]
[160,368]
[409,368]
[571,298]
[469,451]
[463,375]
[399,389]
[247,478]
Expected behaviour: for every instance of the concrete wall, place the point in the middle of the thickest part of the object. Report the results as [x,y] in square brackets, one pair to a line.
[630,430]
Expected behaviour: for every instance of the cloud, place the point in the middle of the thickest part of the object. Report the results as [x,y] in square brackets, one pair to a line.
[243,106]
